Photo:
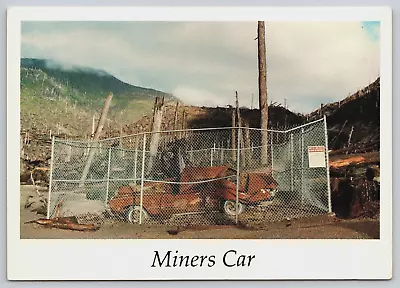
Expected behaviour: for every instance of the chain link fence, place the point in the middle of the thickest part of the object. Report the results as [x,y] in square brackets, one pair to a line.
[193,177]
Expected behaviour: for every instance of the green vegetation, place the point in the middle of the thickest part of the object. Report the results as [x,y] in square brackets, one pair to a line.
[56,98]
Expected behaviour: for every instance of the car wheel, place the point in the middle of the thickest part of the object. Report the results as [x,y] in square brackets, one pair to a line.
[230,208]
[133,214]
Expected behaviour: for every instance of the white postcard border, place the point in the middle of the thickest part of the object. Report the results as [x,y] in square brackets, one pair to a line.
[131,259]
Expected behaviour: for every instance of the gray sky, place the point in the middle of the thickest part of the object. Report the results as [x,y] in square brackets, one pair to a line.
[203,63]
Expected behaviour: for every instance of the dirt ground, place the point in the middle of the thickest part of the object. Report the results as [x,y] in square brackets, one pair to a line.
[320,227]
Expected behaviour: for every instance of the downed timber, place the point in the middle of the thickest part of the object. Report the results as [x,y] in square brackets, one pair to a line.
[357,148]
[68,223]
[355,197]
[351,160]
[96,137]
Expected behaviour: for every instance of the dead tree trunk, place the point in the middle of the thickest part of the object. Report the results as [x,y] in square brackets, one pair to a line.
[93,127]
[96,137]
[233,138]
[262,91]
[21,147]
[155,128]
[183,125]
[176,116]
[176,126]
[242,151]
[68,152]
[248,144]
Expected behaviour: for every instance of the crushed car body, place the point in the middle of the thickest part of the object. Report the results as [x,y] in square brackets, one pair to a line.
[195,189]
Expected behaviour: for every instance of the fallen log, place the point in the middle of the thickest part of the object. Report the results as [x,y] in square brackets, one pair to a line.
[356,148]
[353,160]
[68,223]
[347,162]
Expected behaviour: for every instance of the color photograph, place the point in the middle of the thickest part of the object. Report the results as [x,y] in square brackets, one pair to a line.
[189,130]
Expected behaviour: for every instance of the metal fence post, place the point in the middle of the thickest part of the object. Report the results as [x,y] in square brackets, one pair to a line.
[212,155]
[237,173]
[272,153]
[108,174]
[327,165]
[135,164]
[291,162]
[142,178]
[222,154]
[302,165]
[51,177]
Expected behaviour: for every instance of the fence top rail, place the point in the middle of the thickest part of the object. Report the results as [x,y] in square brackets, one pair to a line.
[190,130]
[75,181]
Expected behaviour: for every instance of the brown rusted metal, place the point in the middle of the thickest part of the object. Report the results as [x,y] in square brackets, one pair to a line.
[164,198]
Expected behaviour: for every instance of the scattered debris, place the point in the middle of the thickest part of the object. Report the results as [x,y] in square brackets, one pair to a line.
[174,232]
[36,201]
[69,223]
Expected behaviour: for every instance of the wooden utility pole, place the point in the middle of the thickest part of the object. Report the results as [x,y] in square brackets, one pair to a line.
[155,128]
[262,90]
[96,137]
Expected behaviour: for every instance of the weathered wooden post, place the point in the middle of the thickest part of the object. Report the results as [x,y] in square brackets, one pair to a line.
[176,117]
[93,127]
[183,133]
[21,146]
[249,148]
[69,152]
[95,138]
[262,91]
[242,151]
[155,129]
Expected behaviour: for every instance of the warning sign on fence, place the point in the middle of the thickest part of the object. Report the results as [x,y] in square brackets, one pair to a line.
[316,156]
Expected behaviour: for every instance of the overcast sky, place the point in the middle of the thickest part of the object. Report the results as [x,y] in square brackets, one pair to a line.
[203,63]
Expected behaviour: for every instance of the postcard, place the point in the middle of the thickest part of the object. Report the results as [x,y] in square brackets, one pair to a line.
[199,143]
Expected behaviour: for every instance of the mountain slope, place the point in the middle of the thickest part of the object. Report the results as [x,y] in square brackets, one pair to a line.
[355,119]
[90,82]
[52,96]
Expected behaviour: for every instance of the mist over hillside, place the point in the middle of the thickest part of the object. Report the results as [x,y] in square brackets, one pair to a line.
[56,96]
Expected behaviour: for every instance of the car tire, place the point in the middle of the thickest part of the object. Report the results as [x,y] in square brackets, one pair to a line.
[230,208]
[133,214]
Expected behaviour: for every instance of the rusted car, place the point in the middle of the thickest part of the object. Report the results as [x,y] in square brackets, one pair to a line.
[165,199]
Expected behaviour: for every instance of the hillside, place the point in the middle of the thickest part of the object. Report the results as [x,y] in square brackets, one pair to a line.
[207,117]
[83,89]
[55,101]
[353,120]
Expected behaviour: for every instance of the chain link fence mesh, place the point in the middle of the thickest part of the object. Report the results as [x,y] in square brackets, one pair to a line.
[193,177]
